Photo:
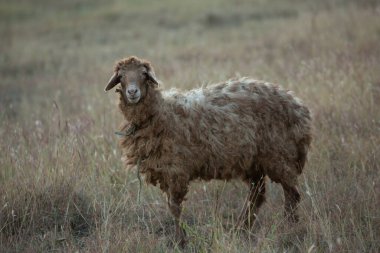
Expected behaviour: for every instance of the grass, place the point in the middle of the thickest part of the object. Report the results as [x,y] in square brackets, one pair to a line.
[62,184]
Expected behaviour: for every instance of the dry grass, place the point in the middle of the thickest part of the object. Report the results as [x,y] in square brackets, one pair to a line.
[62,185]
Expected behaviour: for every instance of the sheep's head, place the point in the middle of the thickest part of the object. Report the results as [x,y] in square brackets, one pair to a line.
[136,76]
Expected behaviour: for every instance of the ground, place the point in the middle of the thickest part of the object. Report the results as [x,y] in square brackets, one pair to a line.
[62,184]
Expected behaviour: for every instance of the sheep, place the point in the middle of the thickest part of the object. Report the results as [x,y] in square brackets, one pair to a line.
[239,129]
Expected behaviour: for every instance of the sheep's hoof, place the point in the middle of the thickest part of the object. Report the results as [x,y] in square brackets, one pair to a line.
[182,243]
[291,214]
[180,238]
[292,217]
[245,220]
[178,242]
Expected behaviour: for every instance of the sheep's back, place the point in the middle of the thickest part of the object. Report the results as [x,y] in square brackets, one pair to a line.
[225,128]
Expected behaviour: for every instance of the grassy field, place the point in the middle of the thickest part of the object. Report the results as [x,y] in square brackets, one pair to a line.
[62,184]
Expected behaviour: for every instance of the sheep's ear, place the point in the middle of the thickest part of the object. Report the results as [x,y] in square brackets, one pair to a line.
[114,80]
[149,72]
[152,77]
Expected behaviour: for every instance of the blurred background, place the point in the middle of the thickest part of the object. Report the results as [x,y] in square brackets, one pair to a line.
[62,184]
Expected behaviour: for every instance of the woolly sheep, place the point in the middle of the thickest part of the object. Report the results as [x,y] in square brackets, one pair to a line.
[240,129]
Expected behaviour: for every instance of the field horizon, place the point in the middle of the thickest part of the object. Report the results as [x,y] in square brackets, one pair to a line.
[63,186]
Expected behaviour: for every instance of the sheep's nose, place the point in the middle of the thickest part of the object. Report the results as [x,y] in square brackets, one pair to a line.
[132,91]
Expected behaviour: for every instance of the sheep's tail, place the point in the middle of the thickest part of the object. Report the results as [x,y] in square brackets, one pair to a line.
[304,132]
[302,150]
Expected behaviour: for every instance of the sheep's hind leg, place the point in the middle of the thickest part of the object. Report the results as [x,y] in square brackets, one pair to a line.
[292,198]
[174,202]
[255,198]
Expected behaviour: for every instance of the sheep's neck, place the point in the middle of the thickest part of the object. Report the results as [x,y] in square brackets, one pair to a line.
[143,112]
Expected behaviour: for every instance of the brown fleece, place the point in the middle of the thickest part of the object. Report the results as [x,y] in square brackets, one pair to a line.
[239,129]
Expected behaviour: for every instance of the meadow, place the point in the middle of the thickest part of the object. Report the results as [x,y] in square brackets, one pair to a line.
[63,187]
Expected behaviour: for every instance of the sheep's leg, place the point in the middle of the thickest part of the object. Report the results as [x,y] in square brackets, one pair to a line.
[174,202]
[255,198]
[292,198]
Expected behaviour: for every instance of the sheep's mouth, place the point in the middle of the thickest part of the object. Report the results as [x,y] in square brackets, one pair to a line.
[133,99]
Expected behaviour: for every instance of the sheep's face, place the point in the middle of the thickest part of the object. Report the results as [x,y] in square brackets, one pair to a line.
[133,84]
[135,77]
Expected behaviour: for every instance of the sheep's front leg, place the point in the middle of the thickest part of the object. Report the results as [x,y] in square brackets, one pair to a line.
[292,198]
[175,199]
[255,199]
